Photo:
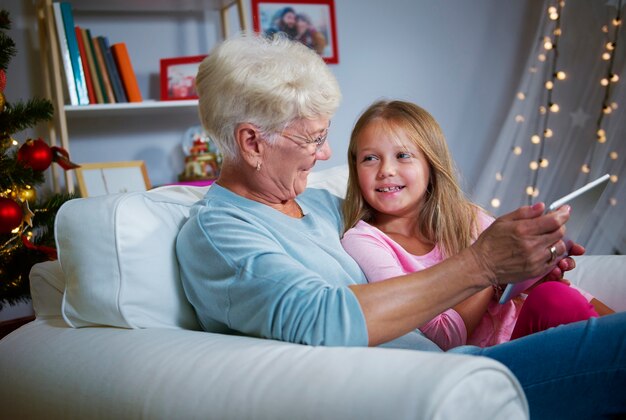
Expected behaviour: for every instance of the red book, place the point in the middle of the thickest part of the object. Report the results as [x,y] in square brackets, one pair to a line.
[83,58]
[127,74]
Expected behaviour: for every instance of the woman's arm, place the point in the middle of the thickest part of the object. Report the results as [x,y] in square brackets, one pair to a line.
[513,248]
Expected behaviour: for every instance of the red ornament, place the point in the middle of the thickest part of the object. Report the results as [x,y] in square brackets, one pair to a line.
[35,154]
[10,215]
[3,80]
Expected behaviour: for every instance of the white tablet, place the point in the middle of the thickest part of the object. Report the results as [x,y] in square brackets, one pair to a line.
[582,201]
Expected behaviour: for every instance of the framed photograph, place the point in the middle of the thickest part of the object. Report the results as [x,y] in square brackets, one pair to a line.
[308,21]
[178,77]
[112,177]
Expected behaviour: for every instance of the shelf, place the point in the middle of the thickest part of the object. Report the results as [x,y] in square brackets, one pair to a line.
[137,108]
[127,6]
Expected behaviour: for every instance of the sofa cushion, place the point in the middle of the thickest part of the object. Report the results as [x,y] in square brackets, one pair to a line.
[603,277]
[117,253]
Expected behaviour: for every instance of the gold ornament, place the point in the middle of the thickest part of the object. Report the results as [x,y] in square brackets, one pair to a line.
[2,102]
[28,213]
[28,194]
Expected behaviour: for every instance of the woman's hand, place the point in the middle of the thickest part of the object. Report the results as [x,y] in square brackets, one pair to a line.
[517,245]
[566,264]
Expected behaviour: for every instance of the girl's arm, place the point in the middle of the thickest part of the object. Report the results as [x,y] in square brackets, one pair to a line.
[473,308]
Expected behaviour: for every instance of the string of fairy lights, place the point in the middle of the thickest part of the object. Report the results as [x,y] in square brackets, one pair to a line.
[550,45]
[546,46]
[515,148]
[541,131]
[608,82]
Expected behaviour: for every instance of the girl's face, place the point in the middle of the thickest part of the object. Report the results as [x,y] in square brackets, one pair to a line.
[302,25]
[393,172]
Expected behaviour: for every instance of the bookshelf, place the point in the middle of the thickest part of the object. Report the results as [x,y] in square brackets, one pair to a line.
[137,108]
[116,10]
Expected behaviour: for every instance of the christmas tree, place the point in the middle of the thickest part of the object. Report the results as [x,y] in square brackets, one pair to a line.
[26,223]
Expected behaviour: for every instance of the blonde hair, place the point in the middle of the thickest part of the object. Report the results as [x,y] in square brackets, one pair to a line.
[447,218]
[268,82]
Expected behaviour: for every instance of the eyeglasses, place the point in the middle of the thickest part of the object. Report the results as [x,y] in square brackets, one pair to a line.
[318,141]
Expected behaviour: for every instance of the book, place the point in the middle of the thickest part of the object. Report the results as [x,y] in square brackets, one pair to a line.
[106,81]
[105,98]
[86,35]
[72,46]
[85,64]
[65,54]
[127,74]
[114,76]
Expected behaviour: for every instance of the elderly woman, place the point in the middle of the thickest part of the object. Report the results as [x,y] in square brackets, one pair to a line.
[260,254]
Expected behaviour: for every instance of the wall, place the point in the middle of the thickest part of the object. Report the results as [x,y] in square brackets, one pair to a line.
[455,58]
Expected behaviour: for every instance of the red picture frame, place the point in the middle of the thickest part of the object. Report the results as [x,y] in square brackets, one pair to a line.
[311,22]
[178,77]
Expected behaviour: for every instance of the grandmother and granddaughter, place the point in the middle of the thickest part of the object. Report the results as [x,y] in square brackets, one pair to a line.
[262,255]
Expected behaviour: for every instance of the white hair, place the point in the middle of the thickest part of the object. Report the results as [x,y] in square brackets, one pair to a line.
[266,82]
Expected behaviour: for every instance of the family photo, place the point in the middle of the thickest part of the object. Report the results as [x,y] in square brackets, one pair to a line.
[311,23]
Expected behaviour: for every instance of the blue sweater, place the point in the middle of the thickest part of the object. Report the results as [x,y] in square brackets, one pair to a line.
[249,268]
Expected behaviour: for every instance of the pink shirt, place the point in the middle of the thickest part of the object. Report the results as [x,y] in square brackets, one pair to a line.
[380,258]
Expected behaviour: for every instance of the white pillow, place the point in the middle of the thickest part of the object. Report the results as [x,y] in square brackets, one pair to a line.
[334,179]
[118,256]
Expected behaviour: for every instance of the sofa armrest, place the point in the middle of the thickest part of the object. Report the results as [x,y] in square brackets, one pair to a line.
[603,276]
[167,373]
[46,288]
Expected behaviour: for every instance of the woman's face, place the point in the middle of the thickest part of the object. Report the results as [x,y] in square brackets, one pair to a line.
[393,172]
[287,163]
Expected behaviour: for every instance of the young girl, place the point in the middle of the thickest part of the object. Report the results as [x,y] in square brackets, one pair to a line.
[405,211]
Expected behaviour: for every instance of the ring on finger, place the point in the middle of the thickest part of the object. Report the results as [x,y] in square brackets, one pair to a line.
[553,254]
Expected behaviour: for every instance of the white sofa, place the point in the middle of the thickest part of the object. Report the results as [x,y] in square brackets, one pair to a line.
[114,337]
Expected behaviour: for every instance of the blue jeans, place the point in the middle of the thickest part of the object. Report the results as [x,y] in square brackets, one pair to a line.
[574,371]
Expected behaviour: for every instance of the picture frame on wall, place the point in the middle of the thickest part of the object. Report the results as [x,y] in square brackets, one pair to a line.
[178,77]
[112,177]
[312,22]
